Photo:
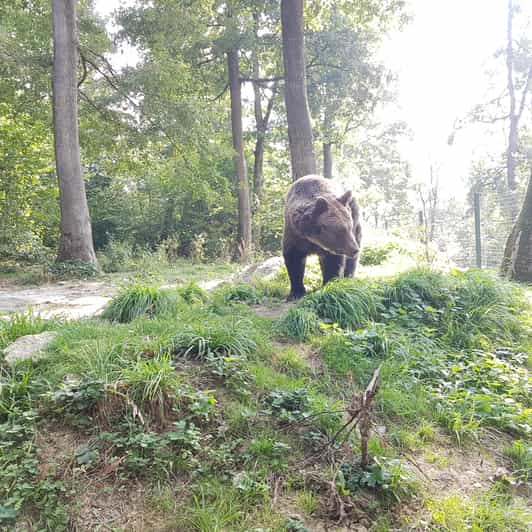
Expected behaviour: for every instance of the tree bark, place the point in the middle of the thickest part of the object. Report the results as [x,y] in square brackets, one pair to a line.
[327,160]
[76,233]
[244,206]
[297,109]
[517,262]
[514,119]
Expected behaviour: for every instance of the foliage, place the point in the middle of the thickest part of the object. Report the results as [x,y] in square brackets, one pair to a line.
[73,269]
[116,256]
[288,406]
[375,255]
[192,293]
[139,300]
[299,323]
[388,475]
[150,453]
[21,483]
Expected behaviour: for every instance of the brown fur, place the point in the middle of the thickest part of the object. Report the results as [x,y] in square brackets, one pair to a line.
[319,219]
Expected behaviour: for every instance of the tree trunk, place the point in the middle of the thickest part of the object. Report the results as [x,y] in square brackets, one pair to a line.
[258,155]
[514,119]
[517,262]
[327,160]
[244,207]
[258,161]
[297,110]
[76,233]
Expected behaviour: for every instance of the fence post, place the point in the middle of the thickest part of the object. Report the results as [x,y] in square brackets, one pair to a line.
[476,206]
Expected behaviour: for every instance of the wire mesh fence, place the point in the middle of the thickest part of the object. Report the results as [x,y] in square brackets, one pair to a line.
[477,236]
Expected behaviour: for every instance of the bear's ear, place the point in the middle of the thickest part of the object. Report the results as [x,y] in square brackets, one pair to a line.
[320,207]
[345,198]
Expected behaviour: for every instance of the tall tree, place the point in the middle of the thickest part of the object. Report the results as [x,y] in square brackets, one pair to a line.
[345,80]
[244,206]
[517,262]
[518,250]
[516,107]
[76,234]
[297,110]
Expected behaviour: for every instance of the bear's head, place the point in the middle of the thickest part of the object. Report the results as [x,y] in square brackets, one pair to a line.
[329,224]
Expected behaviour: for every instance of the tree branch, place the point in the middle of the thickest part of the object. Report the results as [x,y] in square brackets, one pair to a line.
[222,92]
[85,70]
[261,81]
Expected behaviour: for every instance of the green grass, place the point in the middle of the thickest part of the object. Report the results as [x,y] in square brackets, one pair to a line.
[215,336]
[348,302]
[202,391]
[21,324]
[493,512]
[299,323]
[139,300]
[520,452]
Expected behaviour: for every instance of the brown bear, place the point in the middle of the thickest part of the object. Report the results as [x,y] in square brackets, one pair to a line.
[318,219]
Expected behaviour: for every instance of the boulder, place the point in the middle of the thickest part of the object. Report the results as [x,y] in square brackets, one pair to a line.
[263,271]
[31,346]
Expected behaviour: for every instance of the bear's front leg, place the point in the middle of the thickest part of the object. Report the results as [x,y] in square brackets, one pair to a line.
[332,266]
[295,264]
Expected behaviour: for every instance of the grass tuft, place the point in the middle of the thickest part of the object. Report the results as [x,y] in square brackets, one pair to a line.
[348,302]
[214,336]
[139,300]
[299,323]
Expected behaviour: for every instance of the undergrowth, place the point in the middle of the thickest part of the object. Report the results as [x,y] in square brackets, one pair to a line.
[190,388]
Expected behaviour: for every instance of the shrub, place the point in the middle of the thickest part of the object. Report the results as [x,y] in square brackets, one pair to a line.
[244,293]
[374,255]
[151,382]
[117,256]
[73,269]
[192,293]
[139,300]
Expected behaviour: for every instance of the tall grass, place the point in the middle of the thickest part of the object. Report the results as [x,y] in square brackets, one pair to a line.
[139,300]
[349,303]
[214,336]
[21,324]
[299,323]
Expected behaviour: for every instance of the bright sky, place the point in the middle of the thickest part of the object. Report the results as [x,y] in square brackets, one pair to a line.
[441,58]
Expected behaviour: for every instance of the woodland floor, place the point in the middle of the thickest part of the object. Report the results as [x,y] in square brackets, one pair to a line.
[461,475]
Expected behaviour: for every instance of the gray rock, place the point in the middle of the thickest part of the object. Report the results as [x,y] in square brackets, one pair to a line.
[262,271]
[31,346]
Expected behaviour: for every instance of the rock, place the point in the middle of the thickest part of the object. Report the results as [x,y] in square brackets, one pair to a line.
[31,346]
[263,271]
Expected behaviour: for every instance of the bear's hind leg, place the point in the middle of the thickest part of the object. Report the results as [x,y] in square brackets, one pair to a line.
[332,266]
[295,264]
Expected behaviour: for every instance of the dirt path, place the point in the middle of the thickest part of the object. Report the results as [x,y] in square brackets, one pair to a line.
[66,299]
[69,299]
